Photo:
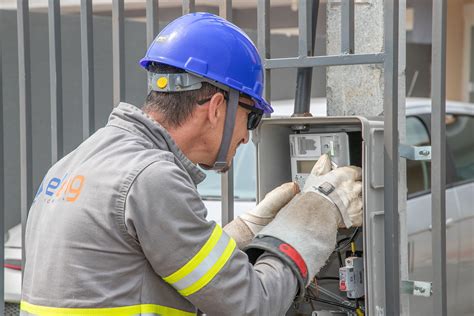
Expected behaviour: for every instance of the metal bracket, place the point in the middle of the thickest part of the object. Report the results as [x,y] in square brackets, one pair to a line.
[417,288]
[415,152]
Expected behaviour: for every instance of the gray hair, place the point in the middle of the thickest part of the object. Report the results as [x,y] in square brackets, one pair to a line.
[175,107]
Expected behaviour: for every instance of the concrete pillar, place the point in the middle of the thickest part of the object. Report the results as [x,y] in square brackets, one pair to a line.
[358,90]
[355,89]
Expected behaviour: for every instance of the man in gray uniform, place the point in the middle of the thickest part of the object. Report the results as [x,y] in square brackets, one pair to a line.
[118,228]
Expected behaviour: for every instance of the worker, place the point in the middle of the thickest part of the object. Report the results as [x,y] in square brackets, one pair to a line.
[117,226]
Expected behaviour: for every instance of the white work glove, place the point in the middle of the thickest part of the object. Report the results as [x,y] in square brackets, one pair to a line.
[339,188]
[303,234]
[243,228]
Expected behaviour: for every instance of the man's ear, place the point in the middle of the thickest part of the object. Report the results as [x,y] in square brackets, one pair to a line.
[216,108]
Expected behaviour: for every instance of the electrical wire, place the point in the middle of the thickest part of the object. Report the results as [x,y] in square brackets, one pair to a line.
[331,295]
[332,303]
[353,248]
[342,240]
[339,258]
[351,239]
[332,278]
[341,245]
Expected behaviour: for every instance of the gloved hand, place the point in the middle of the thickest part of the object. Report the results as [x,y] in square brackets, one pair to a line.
[339,188]
[243,228]
[303,234]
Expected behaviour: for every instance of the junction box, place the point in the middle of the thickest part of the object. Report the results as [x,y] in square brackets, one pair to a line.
[283,144]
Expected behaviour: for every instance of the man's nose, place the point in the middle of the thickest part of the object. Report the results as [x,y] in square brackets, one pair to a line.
[246,138]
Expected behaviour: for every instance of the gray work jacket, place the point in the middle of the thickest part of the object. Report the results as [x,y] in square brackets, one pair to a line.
[118,228]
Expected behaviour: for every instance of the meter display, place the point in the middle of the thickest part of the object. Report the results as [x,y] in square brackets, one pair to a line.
[307,148]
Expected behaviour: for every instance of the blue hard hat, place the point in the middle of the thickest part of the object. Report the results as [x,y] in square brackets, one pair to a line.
[210,46]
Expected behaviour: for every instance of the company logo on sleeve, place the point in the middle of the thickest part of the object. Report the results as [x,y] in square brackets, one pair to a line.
[67,189]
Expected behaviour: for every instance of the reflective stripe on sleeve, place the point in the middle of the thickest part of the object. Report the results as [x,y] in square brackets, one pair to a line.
[202,268]
[133,310]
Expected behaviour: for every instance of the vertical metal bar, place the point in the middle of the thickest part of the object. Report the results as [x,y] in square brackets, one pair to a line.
[87,68]
[347,27]
[24,87]
[189,6]
[227,192]
[391,218]
[303,28]
[2,194]
[225,9]
[438,160]
[118,50]
[55,77]
[227,178]
[263,39]
[304,76]
[152,22]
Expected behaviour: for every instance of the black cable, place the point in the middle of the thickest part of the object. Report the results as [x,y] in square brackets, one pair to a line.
[321,300]
[313,297]
[312,305]
[342,239]
[339,258]
[328,278]
[351,239]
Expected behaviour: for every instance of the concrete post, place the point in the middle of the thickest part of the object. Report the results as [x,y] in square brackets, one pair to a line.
[402,168]
[358,90]
[355,89]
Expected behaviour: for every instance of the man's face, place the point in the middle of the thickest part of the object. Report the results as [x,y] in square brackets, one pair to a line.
[215,111]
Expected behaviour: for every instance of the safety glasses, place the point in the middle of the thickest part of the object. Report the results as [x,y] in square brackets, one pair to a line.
[254,117]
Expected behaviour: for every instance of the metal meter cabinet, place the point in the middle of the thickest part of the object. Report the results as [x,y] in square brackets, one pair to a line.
[366,144]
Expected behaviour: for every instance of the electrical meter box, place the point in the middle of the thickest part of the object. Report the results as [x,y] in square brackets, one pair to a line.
[305,150]
[287,148]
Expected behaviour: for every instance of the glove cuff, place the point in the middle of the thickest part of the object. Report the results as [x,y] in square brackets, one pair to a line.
[284,252]
[328,191]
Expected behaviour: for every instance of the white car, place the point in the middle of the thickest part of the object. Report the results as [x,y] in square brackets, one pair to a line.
[12,265]
[459,202]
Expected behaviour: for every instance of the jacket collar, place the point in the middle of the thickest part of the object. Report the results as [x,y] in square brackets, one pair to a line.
[132,118]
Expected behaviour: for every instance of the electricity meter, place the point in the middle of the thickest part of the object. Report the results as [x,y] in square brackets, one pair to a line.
[305,150]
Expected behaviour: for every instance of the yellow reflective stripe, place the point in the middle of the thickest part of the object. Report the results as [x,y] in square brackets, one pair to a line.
[198,258]
[113,311]
[205,279]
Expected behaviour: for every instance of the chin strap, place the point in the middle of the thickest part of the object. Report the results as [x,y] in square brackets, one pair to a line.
[232,103]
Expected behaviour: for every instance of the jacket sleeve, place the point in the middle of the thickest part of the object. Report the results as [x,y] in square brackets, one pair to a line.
[166,215]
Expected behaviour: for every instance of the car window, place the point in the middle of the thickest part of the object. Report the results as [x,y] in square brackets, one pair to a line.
[460,141]
[418,172]
[244,176]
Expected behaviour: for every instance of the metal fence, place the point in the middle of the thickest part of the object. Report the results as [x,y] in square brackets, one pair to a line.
[388,58]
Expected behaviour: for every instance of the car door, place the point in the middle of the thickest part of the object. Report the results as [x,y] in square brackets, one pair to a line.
[419,222]
[460,139]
